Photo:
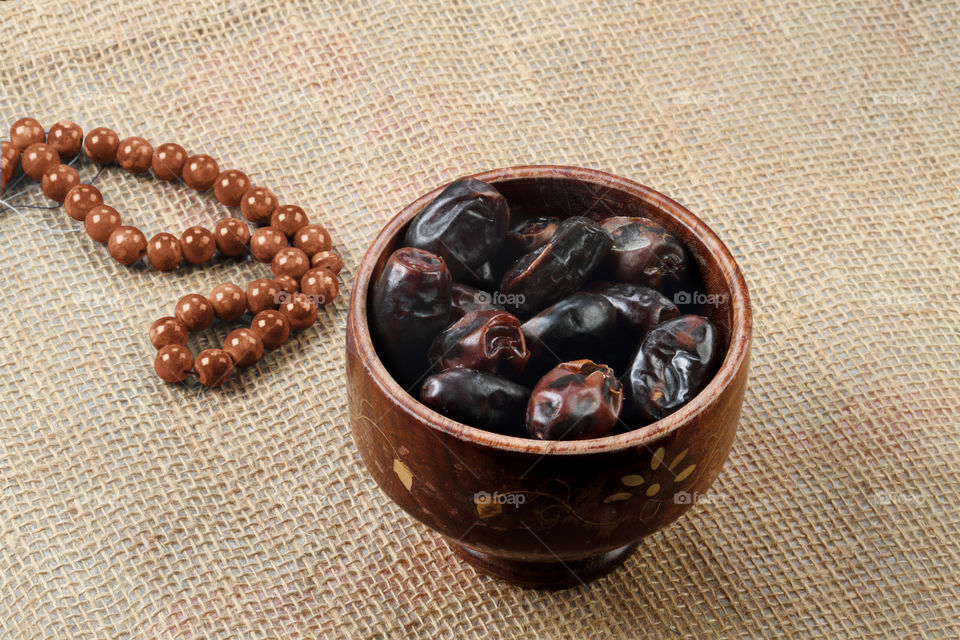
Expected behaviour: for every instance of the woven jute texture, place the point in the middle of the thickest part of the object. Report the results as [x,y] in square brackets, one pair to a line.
[820,142]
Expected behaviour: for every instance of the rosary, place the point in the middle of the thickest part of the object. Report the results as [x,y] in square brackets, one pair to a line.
[300,254]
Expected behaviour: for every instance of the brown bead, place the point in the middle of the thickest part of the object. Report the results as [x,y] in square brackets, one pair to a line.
[173,363]
[58,181]
[232,237]
[229,301]
[197,245]
[80,200]
[167,330]
[258,204]
[272,327]
[327,260]
[287,284]
[37,158]
[101,221]
[230,187]
[101,144]
[244,347]
[213,367]
[127,245]
[9,159]
[135,154]
[266,242]
[300,310]
[290,261]
[194,311]
[25,132]
[313,239]
[168,161]
[163,252]
[262,294]
[67,138]
[200,171]
[320,284]
[288,219]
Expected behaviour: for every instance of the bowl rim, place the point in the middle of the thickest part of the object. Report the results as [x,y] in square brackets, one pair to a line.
[740,331]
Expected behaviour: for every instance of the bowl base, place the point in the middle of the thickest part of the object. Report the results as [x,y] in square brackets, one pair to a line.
[545,575]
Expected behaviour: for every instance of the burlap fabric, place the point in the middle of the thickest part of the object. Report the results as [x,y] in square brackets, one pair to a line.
[818,141]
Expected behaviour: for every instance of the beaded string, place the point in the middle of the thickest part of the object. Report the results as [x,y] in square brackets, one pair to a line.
[304,265]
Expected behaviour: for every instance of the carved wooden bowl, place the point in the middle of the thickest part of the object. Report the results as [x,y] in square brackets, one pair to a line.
[549,513]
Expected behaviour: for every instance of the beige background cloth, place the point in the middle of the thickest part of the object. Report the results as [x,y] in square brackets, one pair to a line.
[819,141]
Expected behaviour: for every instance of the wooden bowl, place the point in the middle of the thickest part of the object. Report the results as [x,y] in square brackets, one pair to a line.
[539,513]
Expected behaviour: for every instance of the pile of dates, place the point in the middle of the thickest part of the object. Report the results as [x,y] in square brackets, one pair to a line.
[552,329]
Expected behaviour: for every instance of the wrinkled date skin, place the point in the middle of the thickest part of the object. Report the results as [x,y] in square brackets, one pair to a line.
[478,399]
[531,234]
[576,400]
[464,225]
[675,362]
[464,299]
[490,341]
[409,307]
[639,309]
[558,268]
[644,254]
[574,328]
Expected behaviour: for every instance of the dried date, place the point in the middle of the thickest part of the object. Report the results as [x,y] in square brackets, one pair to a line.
[490,341]
[644,254]
[577,327]
[639,309]
[478,399]
[674,363]
[558,268]
[464,225]
[576,400]
[409,307]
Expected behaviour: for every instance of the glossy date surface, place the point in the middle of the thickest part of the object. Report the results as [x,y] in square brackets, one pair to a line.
[490,341]
[559,267]
[478,399]
[580,326]
[575,401]
[644,254]
[464,225]
[639,309]
[532,234]
[409,306]
[674,363]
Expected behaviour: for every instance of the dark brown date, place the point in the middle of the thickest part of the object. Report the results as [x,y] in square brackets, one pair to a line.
[644,254]
[639,309]
[558,268]
[464,299]
[576,400]
[574,328]
[478,399]
[675,362]
[464,225]
[409,307]
[531,234]
[488,341]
